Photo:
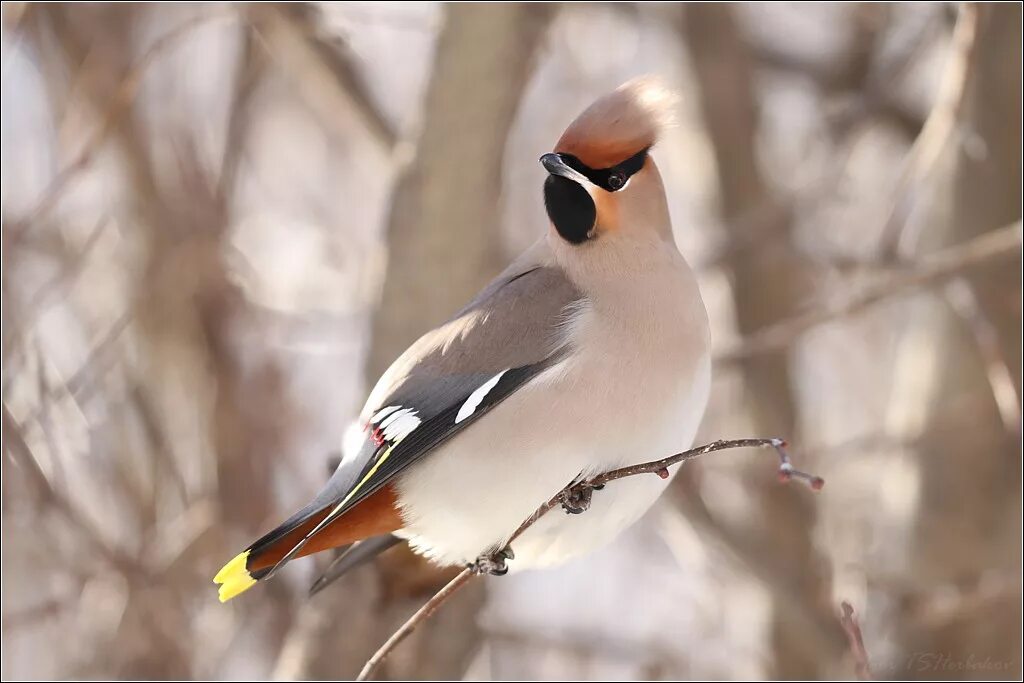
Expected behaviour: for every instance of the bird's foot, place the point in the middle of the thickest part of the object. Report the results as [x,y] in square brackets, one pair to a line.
[493,564]
[577,499]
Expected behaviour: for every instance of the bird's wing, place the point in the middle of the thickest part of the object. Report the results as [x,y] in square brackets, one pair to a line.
[448,379]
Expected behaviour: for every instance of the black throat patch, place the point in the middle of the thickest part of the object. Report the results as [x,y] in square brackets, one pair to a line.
[570,208]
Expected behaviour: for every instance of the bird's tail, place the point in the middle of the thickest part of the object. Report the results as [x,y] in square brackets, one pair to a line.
[257,561]
[375,515]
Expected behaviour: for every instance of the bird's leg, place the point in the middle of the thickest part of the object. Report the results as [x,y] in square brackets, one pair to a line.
[493,563]
[576,499]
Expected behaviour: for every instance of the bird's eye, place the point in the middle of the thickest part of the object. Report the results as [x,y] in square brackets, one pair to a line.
[616,181]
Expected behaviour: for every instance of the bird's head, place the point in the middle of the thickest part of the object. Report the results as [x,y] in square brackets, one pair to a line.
[602,180]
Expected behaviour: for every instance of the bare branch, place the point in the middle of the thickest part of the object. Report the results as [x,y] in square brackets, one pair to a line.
[329,77]
[658,467]
[439,598]
[18,447]
[930,270]
[83,383]
[939,131]
[252,65]
[341,63]
[40,300]
[848,621]
[964,302]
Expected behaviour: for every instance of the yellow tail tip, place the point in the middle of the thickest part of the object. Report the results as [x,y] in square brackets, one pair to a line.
[234,578]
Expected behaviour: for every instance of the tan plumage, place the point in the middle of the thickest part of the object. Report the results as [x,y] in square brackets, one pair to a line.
[621,123]
[589,352]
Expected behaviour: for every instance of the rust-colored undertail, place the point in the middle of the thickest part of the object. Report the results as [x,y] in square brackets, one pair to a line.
[376,515]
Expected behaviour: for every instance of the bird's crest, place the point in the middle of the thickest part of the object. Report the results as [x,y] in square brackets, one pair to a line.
[620,124]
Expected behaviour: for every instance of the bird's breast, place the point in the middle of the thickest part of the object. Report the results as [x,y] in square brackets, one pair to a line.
[632,389]
[643,364]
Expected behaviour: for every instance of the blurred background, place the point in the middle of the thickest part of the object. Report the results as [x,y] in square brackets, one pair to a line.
[222,222]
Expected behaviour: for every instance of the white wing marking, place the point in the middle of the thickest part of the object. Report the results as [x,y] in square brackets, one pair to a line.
[383,412]
[400,425]
[473,402]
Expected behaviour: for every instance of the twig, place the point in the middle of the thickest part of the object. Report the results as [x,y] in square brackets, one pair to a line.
[658,467]
[940,129]
[39,300]
[252,65]
[964,302]
[932,269]
[848,620]
[329,76]
[81,385]
[18,447]
[339,61]
[422,614]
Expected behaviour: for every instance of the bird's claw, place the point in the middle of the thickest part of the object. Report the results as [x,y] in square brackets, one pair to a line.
[493,564]
[577,499]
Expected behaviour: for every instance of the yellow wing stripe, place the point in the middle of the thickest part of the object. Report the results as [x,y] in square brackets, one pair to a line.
[355,489]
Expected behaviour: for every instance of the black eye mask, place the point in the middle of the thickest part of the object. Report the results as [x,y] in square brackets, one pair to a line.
[611,179]
[568,203]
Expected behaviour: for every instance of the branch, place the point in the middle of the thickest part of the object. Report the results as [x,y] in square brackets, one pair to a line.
[340,64]
[327,72]
[658,467]
[848,621]
[422,614]
[933,269]
[964,302]
[939,131]
[21,453]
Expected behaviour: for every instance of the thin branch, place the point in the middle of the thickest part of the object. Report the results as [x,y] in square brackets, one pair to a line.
[939,131]
[328,76]
[930,270]
[40,300]
[848,621]
[964,302]
[341,63]
[81,385]
[252,65]
[658,467]
[422,614]
[21,453]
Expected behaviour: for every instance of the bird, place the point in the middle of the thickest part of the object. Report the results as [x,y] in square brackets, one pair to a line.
[591,351]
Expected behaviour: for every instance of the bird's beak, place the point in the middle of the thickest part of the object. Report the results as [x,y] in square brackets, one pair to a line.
[555,165]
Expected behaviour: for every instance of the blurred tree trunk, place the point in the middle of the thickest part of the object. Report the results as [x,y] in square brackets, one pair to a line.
[970,478]
[769,280]
[444,237]
[444,244]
